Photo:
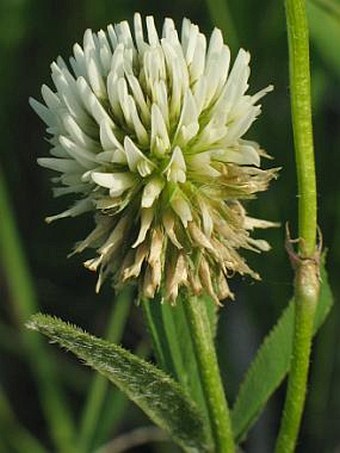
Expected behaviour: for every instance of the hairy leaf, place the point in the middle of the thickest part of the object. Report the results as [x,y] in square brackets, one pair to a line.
[158,395]
[271,363]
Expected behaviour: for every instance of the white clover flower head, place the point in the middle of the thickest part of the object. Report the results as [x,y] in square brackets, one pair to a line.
[147,132]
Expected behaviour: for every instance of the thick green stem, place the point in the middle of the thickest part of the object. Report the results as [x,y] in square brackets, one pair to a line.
[306,262]
[98,391]
[219,416]
[299,72]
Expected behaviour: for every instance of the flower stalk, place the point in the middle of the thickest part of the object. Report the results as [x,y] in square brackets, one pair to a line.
[300,89]
[219,415]
[306,262]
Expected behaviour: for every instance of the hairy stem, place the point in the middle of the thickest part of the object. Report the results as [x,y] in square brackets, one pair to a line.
[298,43]
[219,416]
[306,262]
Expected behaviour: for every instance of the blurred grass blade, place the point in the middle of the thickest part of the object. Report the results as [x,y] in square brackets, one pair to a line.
[161,398]
[9,340]
[220,16]
[325,32]
[16,435]
[14,262]
[271,363]
[331,7]
[24,305]
[99,387]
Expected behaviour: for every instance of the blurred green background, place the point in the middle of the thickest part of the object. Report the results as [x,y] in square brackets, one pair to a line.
[32,34]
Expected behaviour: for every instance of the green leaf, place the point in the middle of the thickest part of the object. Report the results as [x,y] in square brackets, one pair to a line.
[324,22]
[158,395]
[271,363]
[173,344]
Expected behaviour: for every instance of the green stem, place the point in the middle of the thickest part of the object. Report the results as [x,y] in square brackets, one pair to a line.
[24,305]
[306,263]
[306,296]
[98,391]
[300,89]
[219,416]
